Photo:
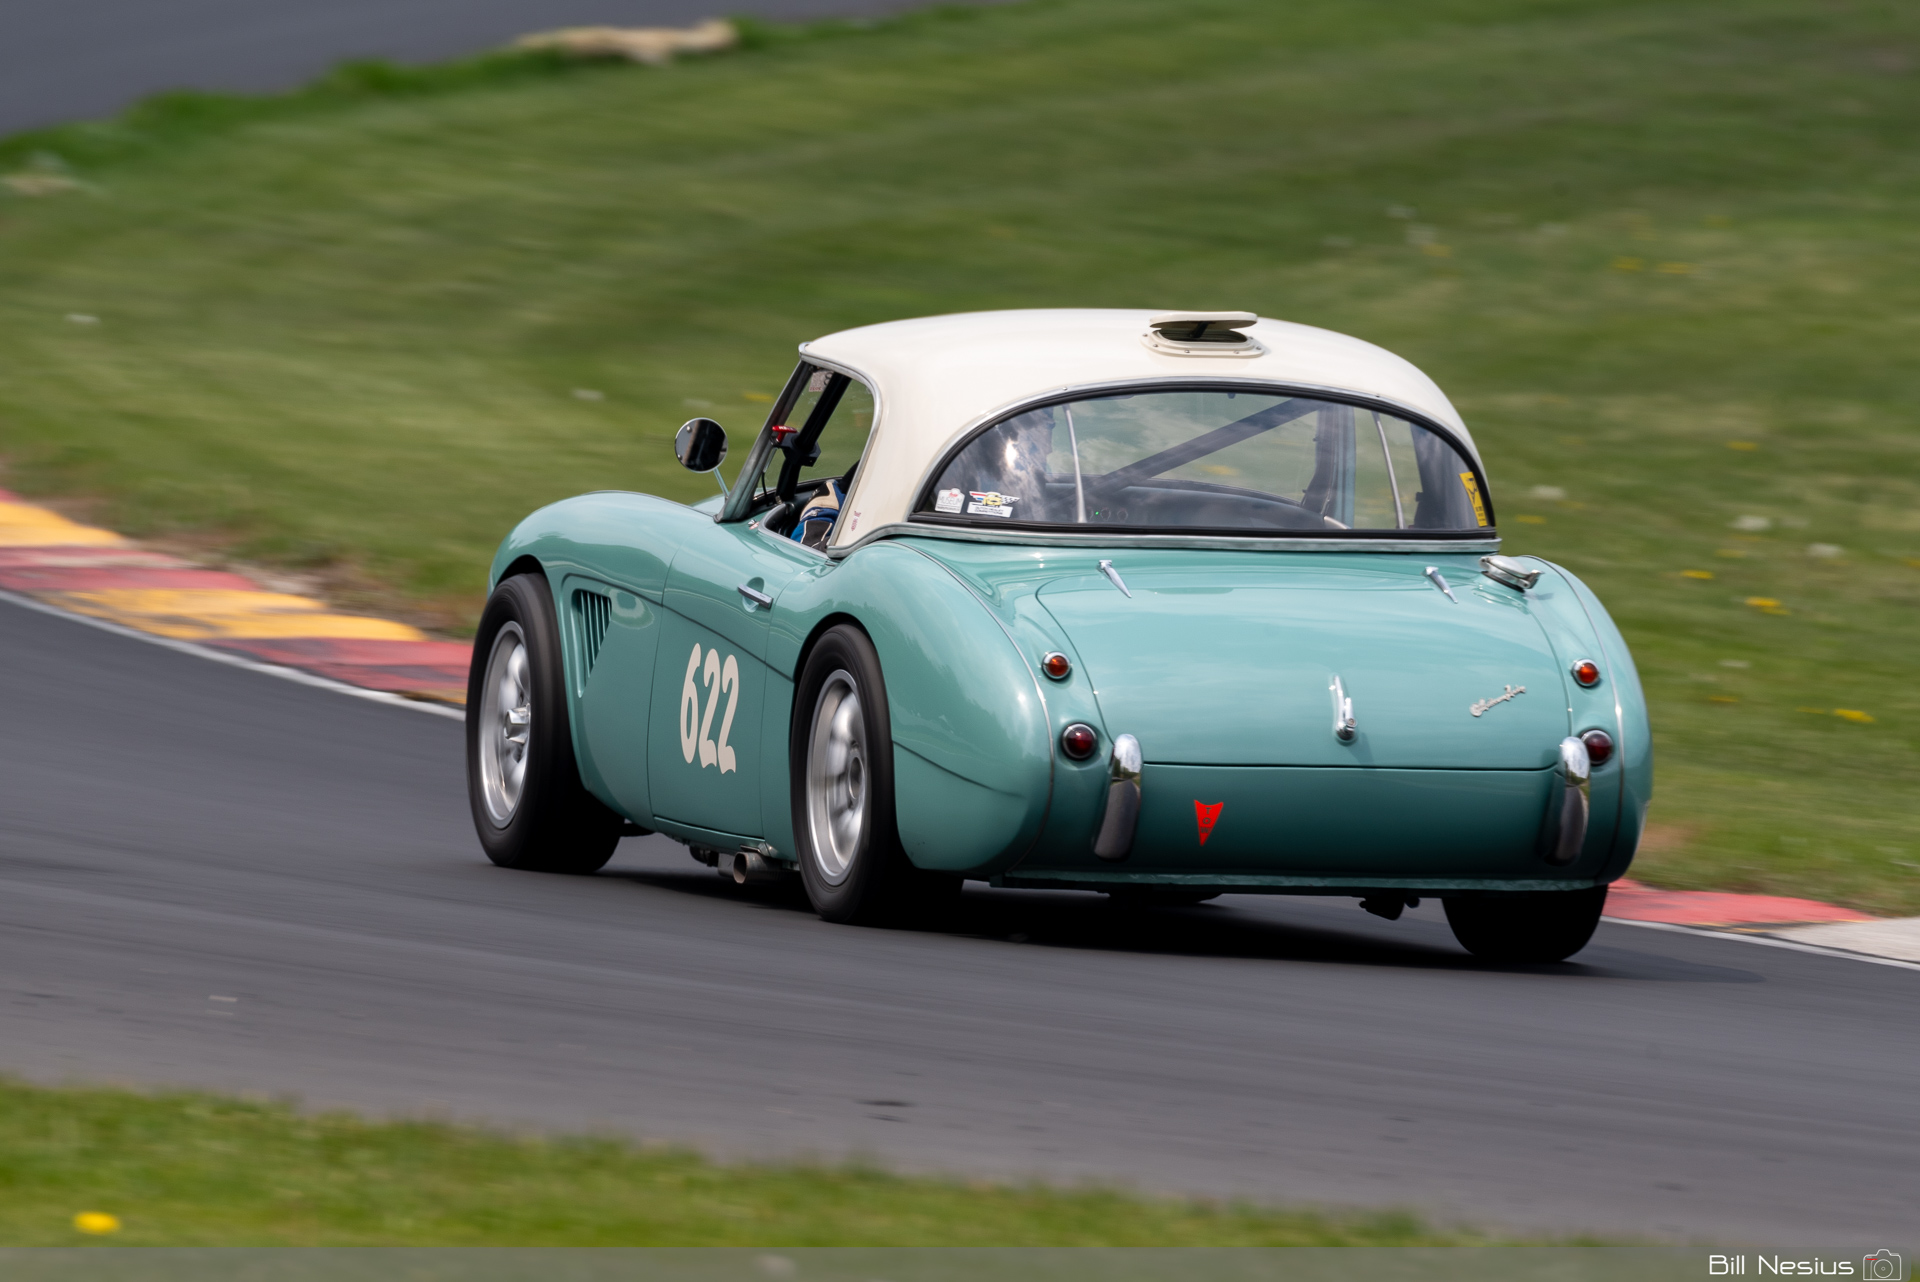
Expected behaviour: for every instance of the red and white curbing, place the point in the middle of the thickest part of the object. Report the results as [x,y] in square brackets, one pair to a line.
[49,561]
[52,563]
[1805,924]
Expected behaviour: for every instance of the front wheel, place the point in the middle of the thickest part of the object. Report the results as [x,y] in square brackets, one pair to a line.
[1531,926]
[843,817]
[523,784]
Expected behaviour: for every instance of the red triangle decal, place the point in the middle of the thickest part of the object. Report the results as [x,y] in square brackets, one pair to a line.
[1207,816]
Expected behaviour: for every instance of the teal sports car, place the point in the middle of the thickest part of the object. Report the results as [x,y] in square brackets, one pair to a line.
[1163,606]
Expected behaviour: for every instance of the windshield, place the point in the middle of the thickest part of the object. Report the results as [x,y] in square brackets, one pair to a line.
[1234,461]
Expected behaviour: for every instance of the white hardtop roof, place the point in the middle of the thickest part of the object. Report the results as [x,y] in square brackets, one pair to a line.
[936,378]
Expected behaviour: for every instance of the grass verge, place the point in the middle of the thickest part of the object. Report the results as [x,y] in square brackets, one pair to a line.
[1663,254]
[199,1170]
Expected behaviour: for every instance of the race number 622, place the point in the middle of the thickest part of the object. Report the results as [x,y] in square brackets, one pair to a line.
[696,728]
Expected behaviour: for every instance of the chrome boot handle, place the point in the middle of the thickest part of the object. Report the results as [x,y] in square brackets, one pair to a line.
[1344,726]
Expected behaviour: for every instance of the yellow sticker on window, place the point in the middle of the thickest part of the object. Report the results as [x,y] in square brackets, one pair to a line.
[1473,493]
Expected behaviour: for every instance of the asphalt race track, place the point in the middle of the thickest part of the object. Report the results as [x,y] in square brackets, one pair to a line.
[174,830]
[78,59]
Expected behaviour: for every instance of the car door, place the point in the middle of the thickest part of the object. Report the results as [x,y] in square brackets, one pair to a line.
[711,681]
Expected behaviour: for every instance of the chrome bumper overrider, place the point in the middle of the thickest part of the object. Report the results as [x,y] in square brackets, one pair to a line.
[1115,841]
[1567,815]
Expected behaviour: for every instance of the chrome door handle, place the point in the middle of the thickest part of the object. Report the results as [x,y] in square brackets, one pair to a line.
[755,597]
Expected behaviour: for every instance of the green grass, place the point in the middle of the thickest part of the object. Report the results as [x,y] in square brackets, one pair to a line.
[343,329]
[198,1170]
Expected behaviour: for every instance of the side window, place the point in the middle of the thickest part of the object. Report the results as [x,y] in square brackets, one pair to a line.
[844,437]
[817,448]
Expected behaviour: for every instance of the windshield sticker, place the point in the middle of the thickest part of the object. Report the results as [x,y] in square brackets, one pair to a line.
[1473,493]
[990,503]
[948,501]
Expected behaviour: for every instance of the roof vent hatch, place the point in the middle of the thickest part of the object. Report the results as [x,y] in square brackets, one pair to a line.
[1202,334]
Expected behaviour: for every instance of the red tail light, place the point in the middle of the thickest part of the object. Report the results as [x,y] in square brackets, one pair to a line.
[1599,746]
[1056,665]
[1078,741]
[1587,673]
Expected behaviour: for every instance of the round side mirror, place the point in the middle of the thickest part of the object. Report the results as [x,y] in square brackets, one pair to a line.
[700,445]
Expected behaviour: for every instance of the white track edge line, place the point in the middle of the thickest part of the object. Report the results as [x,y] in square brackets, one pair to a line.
[456,714]
[1765,940]
[237,661]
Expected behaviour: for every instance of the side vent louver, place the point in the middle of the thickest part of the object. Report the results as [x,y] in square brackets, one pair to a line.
[592,613]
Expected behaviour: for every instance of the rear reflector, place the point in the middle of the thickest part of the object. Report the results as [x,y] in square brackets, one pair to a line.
[1599,746]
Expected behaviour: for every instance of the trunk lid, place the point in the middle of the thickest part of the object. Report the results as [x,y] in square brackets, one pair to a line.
[1222,663]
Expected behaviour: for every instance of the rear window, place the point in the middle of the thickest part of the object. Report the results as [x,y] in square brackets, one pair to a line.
[1235,461]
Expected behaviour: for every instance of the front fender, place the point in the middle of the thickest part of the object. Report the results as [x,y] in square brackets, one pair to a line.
[972,748]
[607,541]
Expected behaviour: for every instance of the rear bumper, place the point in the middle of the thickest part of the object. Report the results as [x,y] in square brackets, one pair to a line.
[1293,828]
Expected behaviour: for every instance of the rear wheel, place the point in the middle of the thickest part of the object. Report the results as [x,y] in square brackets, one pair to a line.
[1533,926]
[523,784]
[843,817]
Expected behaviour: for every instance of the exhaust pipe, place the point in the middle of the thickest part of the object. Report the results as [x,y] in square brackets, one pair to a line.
[749,864]
[1115,841]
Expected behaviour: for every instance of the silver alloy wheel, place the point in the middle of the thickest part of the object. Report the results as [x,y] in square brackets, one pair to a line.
[837,778]
[506,716]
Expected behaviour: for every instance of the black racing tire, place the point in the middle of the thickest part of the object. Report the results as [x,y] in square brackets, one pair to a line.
[1530,926]
[529,806]
[844,824]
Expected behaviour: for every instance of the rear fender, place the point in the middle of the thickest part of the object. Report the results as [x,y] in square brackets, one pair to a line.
[972,748]
[1579,627]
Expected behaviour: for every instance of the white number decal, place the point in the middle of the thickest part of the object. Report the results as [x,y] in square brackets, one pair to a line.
[730,682]
[711,676]
[696,728]
[690,708]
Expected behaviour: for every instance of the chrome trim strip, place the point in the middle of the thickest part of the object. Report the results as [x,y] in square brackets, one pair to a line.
[1440,581]
[1393,482]
[1113,576]
[1189,542]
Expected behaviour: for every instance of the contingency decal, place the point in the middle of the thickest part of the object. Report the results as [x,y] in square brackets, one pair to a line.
[695,729]
[948,500]
[990,503]
[1473,493]
[1484,704]
[1207,816]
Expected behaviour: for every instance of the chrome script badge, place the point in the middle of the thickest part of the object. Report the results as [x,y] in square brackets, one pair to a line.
[1484,704]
